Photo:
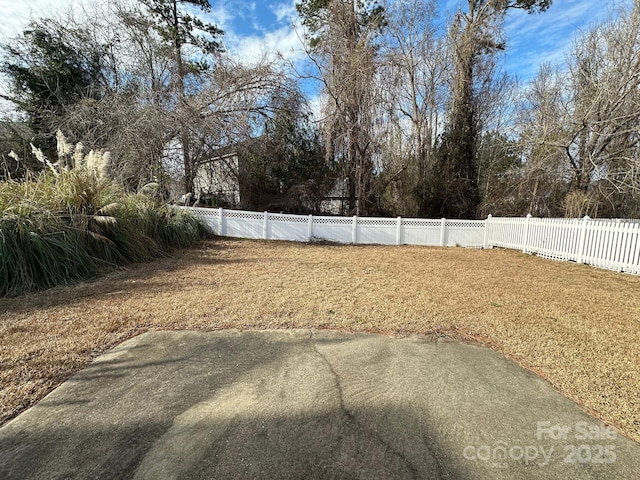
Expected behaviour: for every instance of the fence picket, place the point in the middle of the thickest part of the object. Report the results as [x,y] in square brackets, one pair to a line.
[525,238]
[635,262]
[626,249]
[610,248]
[580,234]
[623,250]
[602,236]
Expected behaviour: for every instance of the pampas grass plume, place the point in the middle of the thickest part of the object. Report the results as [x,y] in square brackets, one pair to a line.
[64,147]
[42,159]
[78,157]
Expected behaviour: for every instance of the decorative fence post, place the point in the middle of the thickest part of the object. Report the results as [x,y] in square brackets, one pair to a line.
[354,233]
[221,225]
[443,227]
[485,242]
[265,226]
[526,234]
[583,236]
[399,231]
[310,228]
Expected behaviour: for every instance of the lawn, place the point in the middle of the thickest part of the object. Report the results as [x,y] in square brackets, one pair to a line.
[576,326]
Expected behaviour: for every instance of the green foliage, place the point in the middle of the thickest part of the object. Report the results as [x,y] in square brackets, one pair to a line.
[287,168]
[177,28]
[499,164]
[59,229]
[295,144]
[50,67]
[45,66]
[368,14]
[453,189]
[531,6]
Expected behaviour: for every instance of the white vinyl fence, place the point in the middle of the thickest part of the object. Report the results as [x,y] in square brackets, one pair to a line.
[611,244]
[604,243]
[358,230]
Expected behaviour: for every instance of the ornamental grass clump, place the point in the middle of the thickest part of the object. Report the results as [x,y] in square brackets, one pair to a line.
[72,221]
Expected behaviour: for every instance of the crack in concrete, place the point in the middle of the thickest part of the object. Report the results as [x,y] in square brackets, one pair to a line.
[352,418]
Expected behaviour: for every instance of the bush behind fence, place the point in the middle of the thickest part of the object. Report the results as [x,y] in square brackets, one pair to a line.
[610,244]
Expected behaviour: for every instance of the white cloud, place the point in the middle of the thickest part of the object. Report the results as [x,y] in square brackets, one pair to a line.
[224,12]
[16,14]
[533,39]
[250,49]
[250,37]
[220,16]
[285,11]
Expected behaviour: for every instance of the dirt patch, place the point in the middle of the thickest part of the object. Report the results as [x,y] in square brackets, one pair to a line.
[576,326]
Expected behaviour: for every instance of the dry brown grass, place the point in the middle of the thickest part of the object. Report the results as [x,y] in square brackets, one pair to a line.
[577,326]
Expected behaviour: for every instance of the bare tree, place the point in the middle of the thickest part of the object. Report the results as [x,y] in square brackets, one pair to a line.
[179,30]
[476,34]
[412,81]
[586,122]
[605,81]
[341,44]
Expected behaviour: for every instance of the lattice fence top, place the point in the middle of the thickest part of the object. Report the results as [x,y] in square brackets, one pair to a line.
[333,220]
[418,222]
[370,221]
[243,214]
[206,212]
[285,218]
[465,223]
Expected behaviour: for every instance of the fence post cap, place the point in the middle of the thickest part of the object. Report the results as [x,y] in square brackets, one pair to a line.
[489,216]
[528,215]
[586,217]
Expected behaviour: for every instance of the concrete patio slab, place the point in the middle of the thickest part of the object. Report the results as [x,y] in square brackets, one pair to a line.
[308,404]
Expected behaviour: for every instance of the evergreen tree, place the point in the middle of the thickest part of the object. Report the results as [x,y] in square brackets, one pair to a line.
[50,68]
[341,43]
[178,31]
[475,35]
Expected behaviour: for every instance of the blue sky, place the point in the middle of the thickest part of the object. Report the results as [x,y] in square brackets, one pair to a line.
[547,37]
[254,28]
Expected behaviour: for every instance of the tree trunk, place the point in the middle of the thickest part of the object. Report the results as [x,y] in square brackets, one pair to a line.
[182,103]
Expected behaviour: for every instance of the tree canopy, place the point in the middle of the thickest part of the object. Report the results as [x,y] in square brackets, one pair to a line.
[414,111]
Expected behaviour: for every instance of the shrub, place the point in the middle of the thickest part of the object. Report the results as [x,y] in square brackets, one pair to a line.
[62,227]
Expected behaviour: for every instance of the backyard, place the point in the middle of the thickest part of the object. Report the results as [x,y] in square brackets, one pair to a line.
[574,325]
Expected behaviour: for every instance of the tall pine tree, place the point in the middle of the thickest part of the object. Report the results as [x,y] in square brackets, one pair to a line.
[475,33]
[180,30]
